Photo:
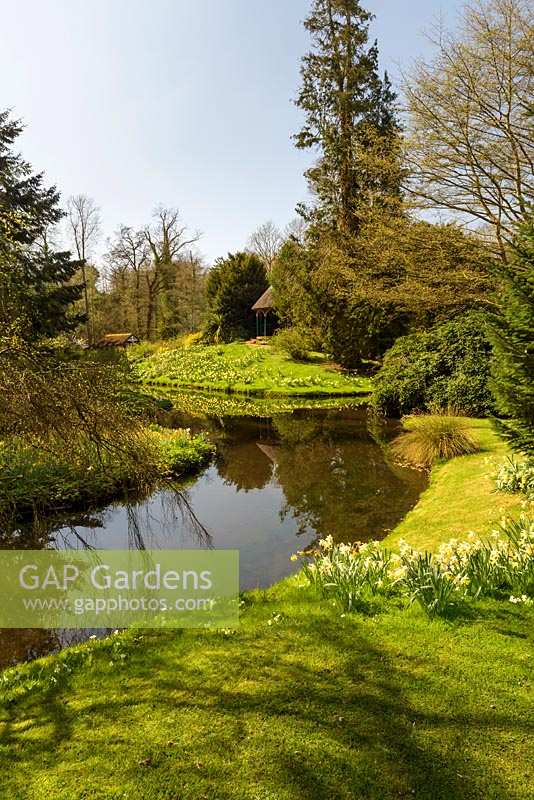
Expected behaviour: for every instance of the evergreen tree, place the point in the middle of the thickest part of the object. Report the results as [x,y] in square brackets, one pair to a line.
[513,343]
[34,277]
[232,287]
[350,117]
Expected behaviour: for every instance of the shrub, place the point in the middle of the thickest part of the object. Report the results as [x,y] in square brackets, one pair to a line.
[193,339]
[293,342]
[432,438]
[514,476]
[446,366]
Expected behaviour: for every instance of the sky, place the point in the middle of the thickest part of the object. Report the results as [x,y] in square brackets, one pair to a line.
[185,103]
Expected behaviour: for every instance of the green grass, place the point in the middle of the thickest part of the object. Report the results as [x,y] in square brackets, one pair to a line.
[205,404]
[301,702]
[240,368]
[461,496]
[34,480]
[314,705]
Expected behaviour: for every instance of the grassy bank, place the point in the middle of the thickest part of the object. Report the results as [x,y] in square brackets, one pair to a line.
[300,702]
[241,368]
[461,496]
[33,480]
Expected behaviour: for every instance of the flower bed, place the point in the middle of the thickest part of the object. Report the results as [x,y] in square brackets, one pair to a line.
[500,566]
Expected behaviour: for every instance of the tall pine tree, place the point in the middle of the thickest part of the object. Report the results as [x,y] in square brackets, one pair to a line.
[350,117]
[34,277]
[513,343]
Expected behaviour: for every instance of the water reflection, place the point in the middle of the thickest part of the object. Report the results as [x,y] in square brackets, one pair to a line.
[275,485]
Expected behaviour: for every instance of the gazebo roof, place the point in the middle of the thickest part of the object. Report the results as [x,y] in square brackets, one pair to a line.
[117,340]
[266,302]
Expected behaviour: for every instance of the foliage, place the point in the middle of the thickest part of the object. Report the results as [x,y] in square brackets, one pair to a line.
[470,149]
[295,299]
[350,117]
[233,286]
[441,582]
[356,294]
[243,368]
[292,342]
[514,476]
[35,481]
[193,339]
[35,292]
[432,438]
[445,367]
[512,337]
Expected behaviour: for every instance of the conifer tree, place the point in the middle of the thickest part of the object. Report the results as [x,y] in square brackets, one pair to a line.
[350,117]
[35,278]
[513,343]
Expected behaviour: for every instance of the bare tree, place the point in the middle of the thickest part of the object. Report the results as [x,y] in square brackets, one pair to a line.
[129,253]
[471,148]
[296,230]
[83,223]
[166,238]
[266,242]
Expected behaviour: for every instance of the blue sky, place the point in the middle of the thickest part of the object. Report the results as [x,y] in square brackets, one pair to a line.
[180,102]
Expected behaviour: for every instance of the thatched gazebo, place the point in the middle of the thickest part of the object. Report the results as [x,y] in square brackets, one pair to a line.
[262,308]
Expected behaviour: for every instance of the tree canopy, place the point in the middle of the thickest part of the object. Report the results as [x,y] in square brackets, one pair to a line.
[35,293]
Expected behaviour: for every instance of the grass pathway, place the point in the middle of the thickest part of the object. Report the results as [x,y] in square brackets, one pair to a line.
[461,496]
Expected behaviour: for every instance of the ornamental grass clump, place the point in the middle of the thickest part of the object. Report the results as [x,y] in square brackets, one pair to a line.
[460,572]
[433,437]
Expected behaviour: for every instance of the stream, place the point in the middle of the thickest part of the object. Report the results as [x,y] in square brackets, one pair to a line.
[276,484]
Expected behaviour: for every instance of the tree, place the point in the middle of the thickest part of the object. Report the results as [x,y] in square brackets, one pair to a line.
[35,279]
[357,294]
[350,117]
[512,335]
[167,238]
[128,259]
[471,146]
[83,224]
[233,285]
[266,242]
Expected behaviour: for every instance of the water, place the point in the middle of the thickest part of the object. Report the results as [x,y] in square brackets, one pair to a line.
[274,487]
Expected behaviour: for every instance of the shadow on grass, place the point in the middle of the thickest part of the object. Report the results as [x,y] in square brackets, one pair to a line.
[297,711]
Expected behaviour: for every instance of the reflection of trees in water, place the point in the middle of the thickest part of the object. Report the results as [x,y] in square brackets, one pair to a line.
[334,472]
[243,467]
[84,530]
[337,479]
[23,644]
[347,490]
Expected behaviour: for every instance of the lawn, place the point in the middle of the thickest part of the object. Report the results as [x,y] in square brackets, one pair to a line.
[245,369]
[461,496]
[300,702]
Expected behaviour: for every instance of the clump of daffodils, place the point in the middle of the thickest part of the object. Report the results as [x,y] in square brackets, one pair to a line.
[461,570]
